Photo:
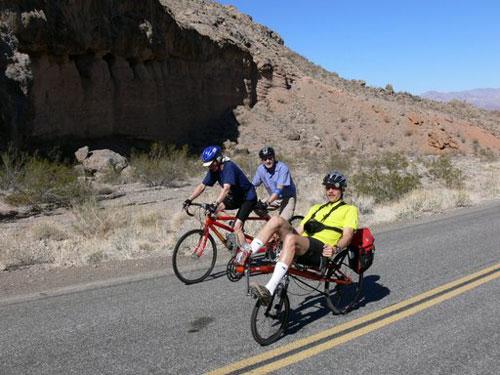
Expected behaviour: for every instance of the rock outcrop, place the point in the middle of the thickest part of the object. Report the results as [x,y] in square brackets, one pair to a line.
[197,72]
[100,68]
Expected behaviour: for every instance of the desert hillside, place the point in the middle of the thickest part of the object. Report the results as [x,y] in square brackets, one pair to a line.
[184,71]
[156,75]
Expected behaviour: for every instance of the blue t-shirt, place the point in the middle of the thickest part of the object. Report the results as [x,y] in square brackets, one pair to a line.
[271,178]
[231,174]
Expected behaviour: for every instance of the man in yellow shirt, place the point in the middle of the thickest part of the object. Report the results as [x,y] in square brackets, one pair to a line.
[326,229]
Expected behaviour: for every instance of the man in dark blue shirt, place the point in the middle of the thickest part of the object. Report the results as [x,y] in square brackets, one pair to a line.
[237,191]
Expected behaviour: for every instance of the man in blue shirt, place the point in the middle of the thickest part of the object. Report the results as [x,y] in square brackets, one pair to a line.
[237,191]
[278,182]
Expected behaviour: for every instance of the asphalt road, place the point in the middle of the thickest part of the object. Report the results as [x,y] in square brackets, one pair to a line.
[160,326]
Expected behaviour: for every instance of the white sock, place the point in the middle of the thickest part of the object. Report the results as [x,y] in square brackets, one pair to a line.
[256,245]
[279,271]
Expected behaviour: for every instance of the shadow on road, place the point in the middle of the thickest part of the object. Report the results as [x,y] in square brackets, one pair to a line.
[215,275]
[314,307]
[372,291]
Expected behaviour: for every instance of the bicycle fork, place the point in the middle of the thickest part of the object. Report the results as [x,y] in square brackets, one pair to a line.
[280,294]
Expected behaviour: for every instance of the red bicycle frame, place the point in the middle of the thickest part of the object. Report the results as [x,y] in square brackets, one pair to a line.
[295,271]
[212,223]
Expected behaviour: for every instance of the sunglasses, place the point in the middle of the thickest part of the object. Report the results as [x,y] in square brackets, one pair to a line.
[334,187]
[267,158]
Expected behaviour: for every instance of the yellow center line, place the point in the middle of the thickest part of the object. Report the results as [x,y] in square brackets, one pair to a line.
[362,331]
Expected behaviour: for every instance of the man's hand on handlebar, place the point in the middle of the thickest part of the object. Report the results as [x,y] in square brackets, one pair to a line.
[212,208]
[186,203]
[330,251]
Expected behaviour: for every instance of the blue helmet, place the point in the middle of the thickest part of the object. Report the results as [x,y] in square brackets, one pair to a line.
[210,154]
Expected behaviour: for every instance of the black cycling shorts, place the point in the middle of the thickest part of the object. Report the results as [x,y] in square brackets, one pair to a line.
[244,207]
[312,257]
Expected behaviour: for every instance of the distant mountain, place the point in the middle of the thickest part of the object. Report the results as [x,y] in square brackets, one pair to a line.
[482,98]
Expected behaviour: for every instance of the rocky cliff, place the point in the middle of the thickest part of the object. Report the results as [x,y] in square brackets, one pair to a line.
[194,71]
[100,68]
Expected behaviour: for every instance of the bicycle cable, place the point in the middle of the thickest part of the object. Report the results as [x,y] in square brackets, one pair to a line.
[309,290]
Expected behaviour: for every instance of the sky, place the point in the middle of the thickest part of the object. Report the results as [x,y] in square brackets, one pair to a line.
[416,46]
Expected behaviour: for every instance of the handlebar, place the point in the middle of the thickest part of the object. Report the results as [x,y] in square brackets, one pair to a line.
[205,206]
[201,205]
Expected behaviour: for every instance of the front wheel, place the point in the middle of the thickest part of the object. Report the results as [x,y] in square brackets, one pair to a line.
[269,322]
[342,295]
[194,256]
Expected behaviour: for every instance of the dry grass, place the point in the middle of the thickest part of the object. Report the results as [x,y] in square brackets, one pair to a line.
[19,250]
[41,182]
[163,165]
[49,231]
[89,234]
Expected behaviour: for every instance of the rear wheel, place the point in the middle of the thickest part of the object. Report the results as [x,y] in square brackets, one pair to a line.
[194,256]
[269,322]
[342,297]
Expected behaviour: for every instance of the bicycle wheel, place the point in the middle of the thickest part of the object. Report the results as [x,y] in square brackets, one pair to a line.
[269,322]
[295,220]
[194,256]
[342,298]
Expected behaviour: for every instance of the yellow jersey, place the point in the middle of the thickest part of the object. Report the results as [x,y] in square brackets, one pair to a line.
[342,217]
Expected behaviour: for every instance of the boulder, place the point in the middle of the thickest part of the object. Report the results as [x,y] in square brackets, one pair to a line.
[82,153]
[101,161]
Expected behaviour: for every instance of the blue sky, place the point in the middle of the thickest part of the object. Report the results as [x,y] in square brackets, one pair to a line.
[416,46]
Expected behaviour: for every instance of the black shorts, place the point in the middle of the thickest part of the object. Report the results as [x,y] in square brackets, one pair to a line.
[244,207]
[312,257]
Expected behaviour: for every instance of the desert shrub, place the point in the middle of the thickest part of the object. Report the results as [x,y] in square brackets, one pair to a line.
[248,162]
[443,170]
[11,166]
[386,178]
[486,154]
[96,257]
[48,231]
[163,165]
[340,161]
[33,180]
[91,220]
[463,199]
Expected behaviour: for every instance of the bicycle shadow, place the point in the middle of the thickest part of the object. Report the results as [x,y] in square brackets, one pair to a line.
[214,276]
[302,315]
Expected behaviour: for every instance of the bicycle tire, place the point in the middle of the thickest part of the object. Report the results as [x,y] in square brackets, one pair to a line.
[186,263]
[342,298]
[275,315]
